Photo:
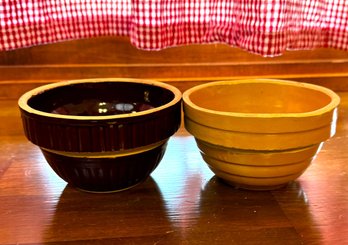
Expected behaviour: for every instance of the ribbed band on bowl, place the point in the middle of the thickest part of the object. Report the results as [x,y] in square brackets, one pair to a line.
[102,135]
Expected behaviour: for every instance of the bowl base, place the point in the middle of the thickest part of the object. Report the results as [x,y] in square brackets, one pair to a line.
[105,174]
[107,191]
[254,187]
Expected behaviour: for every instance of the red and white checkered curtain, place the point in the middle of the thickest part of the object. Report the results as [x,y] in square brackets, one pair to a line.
[265,27]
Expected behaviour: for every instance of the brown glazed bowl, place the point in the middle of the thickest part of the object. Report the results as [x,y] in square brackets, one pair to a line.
[102,135]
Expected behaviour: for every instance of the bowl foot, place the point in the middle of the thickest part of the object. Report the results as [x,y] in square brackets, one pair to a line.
[254,187]
[105,174]
[107,191]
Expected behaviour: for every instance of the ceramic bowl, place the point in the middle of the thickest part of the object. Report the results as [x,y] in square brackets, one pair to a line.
[102,134]
[260,134]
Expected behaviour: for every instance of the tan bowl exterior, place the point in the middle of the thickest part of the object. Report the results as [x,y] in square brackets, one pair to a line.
[255,183]
[260,122]
[258,141]
[259,150]
[257,169]
[258,158]
[258,172]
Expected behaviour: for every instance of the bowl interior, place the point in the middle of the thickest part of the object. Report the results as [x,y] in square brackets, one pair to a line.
[100,98]
[261,97]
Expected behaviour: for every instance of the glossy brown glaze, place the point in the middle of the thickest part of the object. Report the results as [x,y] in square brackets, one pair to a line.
[106,174]
[106,135]
[96,108]
[102,135]
[100,99]
[70,131]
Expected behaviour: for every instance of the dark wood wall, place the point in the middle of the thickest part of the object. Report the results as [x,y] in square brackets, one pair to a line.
[184,67]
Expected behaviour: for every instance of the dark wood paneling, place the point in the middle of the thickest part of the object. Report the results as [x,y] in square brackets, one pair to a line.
[183,66]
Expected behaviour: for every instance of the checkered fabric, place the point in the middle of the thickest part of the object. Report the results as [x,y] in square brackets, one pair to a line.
[265,27]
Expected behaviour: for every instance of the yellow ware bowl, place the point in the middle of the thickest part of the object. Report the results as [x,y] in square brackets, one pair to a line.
[260,134]
[257,169]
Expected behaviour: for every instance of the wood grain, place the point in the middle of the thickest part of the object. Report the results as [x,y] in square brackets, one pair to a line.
[182,202]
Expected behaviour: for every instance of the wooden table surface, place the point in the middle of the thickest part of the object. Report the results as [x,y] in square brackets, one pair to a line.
[182,202]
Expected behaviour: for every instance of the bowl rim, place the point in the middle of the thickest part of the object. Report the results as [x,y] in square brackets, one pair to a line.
[23,100]
[335,99]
